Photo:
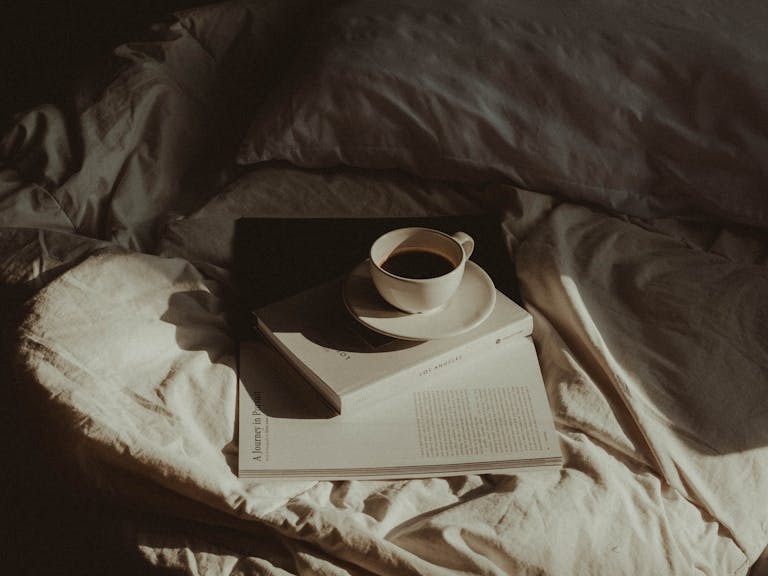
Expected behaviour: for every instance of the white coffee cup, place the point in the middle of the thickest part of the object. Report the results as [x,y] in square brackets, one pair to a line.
[400,257]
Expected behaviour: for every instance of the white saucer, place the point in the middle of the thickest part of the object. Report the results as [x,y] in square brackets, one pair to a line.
[470,305]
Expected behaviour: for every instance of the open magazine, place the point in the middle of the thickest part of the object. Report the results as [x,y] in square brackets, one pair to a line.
[490,415]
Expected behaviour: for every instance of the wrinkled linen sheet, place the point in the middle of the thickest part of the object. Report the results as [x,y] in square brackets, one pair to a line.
[651,336]
[658,400]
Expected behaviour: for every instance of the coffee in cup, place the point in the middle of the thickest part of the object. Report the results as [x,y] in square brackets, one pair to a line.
[416,269]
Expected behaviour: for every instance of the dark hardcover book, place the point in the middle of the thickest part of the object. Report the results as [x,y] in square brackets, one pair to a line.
[278,257]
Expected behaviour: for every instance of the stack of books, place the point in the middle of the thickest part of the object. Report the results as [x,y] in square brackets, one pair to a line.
[321,396]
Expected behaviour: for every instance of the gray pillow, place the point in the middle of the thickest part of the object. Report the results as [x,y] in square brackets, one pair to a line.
[646,109]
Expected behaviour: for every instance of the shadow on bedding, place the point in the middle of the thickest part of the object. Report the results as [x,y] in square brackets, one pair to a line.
[200,320]
[52,522]
[680,333]
[204,322]
[693,359]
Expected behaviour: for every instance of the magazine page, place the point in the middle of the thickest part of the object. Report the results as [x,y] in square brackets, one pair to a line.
[489,415]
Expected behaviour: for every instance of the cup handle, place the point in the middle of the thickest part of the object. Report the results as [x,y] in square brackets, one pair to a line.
[466,241]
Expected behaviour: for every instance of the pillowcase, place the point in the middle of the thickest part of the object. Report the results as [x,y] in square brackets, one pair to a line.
[648,110]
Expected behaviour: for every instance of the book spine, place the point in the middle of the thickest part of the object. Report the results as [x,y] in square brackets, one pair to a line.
[422,373]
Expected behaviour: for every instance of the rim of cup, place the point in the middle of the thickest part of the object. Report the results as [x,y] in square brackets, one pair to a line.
[456,264]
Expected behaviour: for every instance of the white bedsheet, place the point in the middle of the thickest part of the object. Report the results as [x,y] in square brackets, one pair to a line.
[136,348]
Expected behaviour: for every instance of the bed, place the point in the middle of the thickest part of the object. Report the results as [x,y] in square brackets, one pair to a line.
[624,147]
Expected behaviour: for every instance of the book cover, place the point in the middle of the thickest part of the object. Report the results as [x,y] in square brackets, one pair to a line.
[490,415]
[352,366]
